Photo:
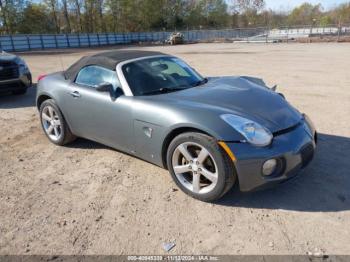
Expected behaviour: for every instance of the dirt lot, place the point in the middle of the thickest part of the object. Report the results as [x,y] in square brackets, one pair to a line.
[88,199]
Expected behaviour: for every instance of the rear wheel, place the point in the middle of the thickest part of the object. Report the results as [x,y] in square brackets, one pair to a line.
[200,167]
[54,124]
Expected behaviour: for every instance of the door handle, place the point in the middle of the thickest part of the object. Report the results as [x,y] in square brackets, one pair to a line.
[75,94]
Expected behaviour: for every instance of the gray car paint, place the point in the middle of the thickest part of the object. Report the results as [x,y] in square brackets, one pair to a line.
[287,146]
[98,117]
[139,125]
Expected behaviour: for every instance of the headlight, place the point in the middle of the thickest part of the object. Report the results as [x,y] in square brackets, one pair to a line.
[22,66]
[253,132]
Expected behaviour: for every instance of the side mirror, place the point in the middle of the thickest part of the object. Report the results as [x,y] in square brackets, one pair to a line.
[108,87]
[104,87]
[282,95]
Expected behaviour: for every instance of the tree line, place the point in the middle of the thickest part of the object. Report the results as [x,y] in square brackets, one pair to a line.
[94,16]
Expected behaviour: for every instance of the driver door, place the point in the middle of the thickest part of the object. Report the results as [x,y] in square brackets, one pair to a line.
[96,115]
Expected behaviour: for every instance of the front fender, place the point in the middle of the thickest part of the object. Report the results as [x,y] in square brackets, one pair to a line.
[221,132]
[155,122]
[152,139]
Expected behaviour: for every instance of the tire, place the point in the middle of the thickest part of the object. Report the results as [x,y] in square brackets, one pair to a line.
[50,115]
[221,169]
[20,91]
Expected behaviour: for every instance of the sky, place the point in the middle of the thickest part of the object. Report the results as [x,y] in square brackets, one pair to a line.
[290,4]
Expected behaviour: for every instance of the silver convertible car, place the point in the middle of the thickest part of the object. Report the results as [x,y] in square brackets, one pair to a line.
[208,132]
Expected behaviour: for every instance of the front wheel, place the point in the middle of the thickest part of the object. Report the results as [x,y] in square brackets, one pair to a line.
[54,124]
[200,167]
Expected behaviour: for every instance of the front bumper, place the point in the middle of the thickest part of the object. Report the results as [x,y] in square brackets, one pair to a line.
[295,148]
[22,82]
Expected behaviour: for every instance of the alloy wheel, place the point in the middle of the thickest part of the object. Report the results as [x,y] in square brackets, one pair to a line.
[51,123]
[195,167]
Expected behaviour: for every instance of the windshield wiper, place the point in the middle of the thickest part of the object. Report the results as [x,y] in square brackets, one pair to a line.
[201,82]
[163,90]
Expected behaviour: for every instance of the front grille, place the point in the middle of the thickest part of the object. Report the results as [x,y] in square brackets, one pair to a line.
[8,70]
[307,153]
[10,86]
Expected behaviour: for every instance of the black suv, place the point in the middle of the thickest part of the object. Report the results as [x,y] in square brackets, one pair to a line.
[15,76]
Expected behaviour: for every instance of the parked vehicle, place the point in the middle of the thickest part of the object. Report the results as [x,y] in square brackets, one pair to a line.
[15,76]
[176,38]
[208,132]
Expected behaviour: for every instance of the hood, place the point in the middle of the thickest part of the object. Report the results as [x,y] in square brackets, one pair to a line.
[8,57]
[239,96]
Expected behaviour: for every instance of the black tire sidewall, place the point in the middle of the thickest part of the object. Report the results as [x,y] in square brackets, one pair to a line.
[216,152]
[52,103]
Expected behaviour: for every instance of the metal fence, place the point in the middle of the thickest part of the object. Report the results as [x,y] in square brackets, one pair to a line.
[309,31]
[47,41]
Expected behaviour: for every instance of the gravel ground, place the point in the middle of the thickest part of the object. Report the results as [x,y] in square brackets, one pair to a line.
[86,198]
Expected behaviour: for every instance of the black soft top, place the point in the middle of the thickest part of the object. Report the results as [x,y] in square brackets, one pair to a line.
[108,60]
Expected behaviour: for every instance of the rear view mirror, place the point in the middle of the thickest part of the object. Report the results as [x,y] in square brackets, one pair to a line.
[161,67]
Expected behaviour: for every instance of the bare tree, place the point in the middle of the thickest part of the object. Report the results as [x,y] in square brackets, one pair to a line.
[10,11]
[4,16]
[77,10]
[52,4]
[100,14]
[114,7]
[89,15]
[66,15]
[249,5]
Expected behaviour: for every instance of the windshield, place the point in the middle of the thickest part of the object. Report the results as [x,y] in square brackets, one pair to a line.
[159,75]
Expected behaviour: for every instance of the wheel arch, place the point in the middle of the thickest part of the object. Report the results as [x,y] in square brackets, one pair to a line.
[41,98]
[174,133]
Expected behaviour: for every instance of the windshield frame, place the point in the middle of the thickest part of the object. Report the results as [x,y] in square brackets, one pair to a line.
[125,86]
